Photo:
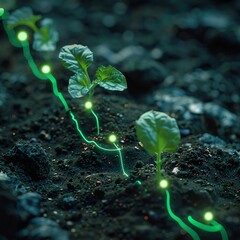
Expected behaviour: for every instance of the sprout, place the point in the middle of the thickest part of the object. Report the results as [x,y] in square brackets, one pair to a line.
[158,133]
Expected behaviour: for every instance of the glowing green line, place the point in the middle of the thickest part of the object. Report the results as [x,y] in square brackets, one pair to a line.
[90,141]
[179,221]
[204,227]
[222,231]
[56,92]
[27,54]
[97,121]
[10,32]
[31,63]
[215,228]
[121,159]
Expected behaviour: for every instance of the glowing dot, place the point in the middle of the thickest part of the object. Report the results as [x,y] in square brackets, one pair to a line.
[46,69]
[88,105]
[22,36]
[112,138]
[139,182]
[208,216]
[1,11]
[163,183]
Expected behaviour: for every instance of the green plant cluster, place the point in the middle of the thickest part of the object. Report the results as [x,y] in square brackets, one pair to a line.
[156,131]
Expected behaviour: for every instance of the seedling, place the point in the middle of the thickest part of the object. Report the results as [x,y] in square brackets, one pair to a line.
[158,133]
[45,36]
[77,58]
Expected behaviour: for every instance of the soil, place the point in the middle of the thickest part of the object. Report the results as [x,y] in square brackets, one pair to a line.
[178,58]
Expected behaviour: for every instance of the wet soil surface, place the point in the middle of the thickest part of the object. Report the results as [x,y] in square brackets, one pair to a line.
[178,58]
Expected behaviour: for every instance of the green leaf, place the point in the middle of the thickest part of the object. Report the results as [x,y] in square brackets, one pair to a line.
[110,78]
[76,58]
[47,38]
[22,16]
[79,85]
[157,132]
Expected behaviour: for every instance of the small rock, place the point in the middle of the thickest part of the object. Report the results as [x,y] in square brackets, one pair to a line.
[68,203]
[45,136]
[32,157]
[9,220]
[220,114]
[211,140]
[43,228]
[29,204]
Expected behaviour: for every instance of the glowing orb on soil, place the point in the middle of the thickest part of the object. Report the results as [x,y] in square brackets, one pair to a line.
[163,183]
[46,69]
[22,36]
[88,105]
[208,216]
[112,138]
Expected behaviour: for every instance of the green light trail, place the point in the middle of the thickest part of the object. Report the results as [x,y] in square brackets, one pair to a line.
[204,227]
[90,141]
[215,228]
[121,159]
[179,221]
[27,54]
[97,121]
[222,231]
[48,76]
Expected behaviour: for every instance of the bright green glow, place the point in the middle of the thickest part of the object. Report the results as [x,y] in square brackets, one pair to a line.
[208,216]
[204,227]
[222,231]
[90,141]
[26,51]
[22,36]
[97,121]
[179,221]
[139,182]
[215,228]
[11,33]
[1,11]
[38,74]
[46,69]
[88,105]
[163,183]
[121,159]
[112,138]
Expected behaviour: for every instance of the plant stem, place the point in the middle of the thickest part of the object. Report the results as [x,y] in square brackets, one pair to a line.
[158,166]
[34,27]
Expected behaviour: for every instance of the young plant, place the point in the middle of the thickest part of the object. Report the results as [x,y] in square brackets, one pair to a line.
[78,58]
[45,36]
[158,133]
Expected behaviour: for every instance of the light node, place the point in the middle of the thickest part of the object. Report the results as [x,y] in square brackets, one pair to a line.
[163,183]
[112,138]
[208,216]
[88,105]
[46,69]
[22,36]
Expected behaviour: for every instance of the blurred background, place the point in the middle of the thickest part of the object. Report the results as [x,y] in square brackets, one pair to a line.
[182,50]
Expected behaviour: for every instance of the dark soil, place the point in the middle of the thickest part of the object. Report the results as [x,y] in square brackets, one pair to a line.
[181,58]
